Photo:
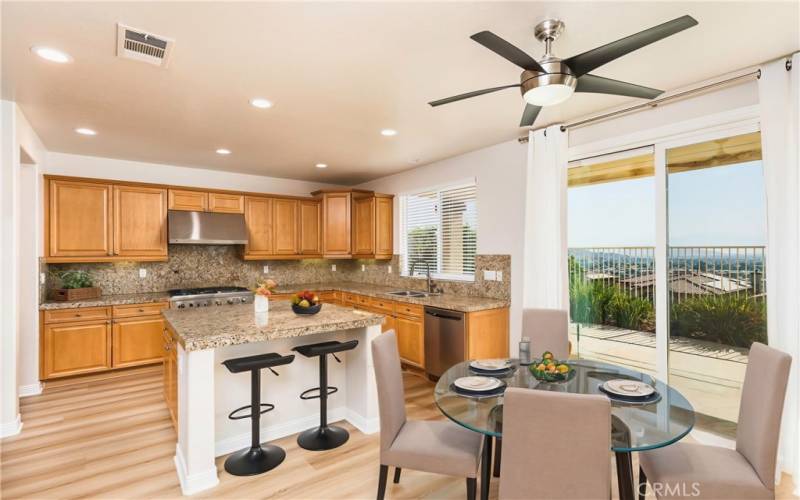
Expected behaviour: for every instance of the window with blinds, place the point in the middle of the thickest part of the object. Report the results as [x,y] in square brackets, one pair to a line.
[439,230]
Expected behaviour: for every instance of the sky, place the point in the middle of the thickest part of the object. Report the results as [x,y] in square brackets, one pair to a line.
[713,206]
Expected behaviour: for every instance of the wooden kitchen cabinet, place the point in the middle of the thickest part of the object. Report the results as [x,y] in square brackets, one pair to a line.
[384,226]
[284,224]
[410,340]
[258,219]
[78,217]
[170,350]
[226,203]
[140,221]
[75,348]
[137,341]
[487,334]
[363,226]
[183,199]
[336,224]
[310,227]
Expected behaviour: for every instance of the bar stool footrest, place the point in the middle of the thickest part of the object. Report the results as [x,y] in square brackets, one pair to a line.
[305,394]
[267,406]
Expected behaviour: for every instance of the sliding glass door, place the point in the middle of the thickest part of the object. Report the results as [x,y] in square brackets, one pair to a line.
[666,263]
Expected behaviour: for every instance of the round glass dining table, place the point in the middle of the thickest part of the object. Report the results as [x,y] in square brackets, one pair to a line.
[634,426]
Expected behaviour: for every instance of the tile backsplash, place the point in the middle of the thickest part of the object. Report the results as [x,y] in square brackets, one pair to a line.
[209,265]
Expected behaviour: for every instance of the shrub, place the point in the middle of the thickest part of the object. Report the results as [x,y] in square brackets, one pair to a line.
[728,319]
[634,313]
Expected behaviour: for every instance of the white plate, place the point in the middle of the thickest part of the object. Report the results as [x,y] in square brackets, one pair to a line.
[492,365]
[478,384]
[630,388]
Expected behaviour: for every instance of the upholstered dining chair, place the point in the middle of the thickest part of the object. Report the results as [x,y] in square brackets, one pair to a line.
[700,471]
[548,331]
[557,445]
[440,447]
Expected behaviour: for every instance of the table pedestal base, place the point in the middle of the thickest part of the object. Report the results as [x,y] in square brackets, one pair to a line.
[625,475]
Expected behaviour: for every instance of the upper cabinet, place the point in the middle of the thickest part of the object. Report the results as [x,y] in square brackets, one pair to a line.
[310,240]
[79,218]
[356,223]
[384,226]
[258,218]
[284,225]
[226,203]
[80,226]
[335,223]
[140,221]
[201,201]
[363,225]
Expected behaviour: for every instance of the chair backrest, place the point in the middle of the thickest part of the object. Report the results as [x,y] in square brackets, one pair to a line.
[555,445]
[548,331]
[761,408]
[389,378]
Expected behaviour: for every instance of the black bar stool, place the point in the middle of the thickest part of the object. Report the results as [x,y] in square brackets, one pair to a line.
[324,437]
[257,459]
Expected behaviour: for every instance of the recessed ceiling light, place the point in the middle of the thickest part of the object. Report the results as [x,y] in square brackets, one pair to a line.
[388,132]
[223,151]
[85,131]
[52,55]
[259,102]
[321,165]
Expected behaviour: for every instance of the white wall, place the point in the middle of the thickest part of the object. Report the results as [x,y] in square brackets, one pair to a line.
[123,170]
[500,174]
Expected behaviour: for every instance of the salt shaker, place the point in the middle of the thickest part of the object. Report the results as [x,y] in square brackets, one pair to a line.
[525,351]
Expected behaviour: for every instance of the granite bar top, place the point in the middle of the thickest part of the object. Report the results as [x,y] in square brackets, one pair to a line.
[107,300]
[213,327]
[444,301]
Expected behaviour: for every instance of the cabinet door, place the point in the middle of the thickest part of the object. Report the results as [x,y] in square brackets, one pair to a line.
[285,226]
[74,348]
[181,199]
[310,222]
[384,231]
[137,341]
[389,323]
[410,341]
[364,226]
[258,218]
[226,203]
[336,225]
[79,219]
[170,376]
[140,221]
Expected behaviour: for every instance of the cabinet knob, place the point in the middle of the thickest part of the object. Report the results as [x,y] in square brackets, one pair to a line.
[141,310]
[77,315]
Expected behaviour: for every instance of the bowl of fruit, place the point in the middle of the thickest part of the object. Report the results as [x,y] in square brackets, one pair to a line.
[306,302]
[549,369]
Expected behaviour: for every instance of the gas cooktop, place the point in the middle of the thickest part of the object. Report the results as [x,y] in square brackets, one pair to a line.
[183,298]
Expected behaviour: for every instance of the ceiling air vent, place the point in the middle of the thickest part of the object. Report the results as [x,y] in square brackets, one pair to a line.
[140,45]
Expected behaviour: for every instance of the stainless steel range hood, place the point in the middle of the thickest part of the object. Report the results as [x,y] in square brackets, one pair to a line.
[206,228]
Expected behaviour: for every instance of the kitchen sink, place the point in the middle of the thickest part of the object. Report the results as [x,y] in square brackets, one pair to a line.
[408,293]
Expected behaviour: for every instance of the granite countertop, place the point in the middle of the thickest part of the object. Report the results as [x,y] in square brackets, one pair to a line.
[107,300]
[449,301]
[208,328]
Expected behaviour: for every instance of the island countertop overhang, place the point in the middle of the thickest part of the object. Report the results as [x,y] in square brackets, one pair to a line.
[215,327]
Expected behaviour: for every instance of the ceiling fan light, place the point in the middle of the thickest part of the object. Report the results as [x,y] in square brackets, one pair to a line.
[548,95]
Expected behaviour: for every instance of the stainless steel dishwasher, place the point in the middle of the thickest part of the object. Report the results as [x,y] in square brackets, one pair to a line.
[444,340]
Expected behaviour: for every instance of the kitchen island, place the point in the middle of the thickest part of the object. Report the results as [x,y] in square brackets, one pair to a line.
[207,392]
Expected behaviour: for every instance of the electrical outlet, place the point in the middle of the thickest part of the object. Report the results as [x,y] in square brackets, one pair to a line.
[42,278]
[333,267]
[489,275]
[389,269]
[142,272]
[266,269]
[363,268]
[499,275]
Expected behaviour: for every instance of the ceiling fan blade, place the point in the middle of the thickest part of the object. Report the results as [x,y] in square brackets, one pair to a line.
[474,93]
[506,50]
[529,115]
[599,85]
[588,61]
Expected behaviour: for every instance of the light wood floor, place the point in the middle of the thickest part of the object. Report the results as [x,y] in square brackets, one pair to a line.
[110,437]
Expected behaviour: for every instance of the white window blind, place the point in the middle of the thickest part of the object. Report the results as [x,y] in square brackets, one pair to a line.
[440,230]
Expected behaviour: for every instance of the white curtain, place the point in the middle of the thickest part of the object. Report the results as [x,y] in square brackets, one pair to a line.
[545,264]
[779,97]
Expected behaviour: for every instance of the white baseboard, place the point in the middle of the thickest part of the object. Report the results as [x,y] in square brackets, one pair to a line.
[273,432]
[194,483]
[30,390]
[366,426]
[12,428]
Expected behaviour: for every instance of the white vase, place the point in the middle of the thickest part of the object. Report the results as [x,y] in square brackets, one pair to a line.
[261,304]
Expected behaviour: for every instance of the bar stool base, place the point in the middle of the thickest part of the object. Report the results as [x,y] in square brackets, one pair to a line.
[253,461]
[323,438]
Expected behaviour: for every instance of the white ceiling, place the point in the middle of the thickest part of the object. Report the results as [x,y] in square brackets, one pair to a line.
[338,73]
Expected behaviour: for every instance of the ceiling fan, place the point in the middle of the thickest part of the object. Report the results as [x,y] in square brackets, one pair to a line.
[553,80]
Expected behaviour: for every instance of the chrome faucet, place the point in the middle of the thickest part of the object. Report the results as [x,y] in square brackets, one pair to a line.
[427,273]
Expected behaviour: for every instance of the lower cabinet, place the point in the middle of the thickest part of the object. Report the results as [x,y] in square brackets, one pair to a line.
[74,348]
[137,341]
[410,340]
[170,347]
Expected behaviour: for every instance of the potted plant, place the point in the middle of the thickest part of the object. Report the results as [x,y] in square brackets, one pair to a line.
[75,285]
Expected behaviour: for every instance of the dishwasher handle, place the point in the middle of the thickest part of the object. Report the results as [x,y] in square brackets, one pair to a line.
[439,314]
